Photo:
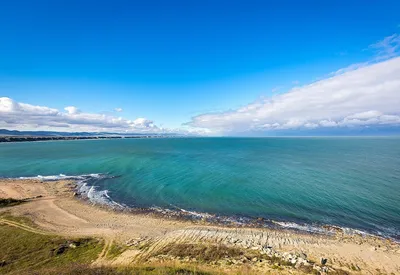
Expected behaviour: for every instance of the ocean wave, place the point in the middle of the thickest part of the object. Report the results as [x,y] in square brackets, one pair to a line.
[87,189]
[63,177]
[303,227]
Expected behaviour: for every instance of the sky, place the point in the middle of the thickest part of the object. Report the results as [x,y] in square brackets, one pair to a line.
[223,68]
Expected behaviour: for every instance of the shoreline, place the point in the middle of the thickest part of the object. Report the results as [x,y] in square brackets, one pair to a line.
[104,200]
[83,192]
[54,208]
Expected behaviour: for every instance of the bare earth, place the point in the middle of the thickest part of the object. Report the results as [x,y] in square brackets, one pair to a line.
[53,208]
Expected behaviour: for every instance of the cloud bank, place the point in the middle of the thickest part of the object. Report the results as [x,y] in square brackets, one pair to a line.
[22,116]
[367,96]
[361,96]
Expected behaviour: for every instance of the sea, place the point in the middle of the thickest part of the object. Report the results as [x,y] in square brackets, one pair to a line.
[301,183]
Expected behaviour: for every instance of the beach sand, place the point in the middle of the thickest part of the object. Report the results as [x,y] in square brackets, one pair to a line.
[52,207]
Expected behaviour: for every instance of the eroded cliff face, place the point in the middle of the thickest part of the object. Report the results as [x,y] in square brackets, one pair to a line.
[264,250]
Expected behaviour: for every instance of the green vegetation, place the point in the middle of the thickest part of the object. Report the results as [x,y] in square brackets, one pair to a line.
[276,261]
[25,251]
[115,250]
[10,202]
[146,270]
[204,253]
[22,251]
[20,219]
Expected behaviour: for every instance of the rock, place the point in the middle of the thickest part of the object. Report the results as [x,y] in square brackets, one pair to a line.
[325,269]
[297,265]
[317,268]
[303,255]
[254,259]
[73,244]
[293,261]
[61,249]
[323,261]
[267,250]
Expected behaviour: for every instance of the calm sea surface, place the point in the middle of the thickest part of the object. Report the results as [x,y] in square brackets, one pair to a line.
[348,182]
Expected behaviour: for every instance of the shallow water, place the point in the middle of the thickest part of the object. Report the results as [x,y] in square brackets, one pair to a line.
[348,182]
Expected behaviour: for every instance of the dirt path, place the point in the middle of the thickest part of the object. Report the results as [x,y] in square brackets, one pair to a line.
[23,226]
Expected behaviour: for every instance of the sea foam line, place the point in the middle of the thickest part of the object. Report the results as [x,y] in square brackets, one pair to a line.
[83,188]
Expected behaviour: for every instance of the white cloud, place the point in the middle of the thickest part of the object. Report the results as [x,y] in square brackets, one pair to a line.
[72,110]
[118,109]
[143,123]
[363,96]
[22,116]
[276,89]
[388,47]
[384,49]
[351,67]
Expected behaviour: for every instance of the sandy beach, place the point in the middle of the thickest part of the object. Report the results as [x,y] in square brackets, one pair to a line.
[52,207]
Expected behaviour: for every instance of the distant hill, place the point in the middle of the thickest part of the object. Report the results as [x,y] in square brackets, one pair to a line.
[5,132]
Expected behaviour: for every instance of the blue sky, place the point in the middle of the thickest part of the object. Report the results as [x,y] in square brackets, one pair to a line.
[170,61]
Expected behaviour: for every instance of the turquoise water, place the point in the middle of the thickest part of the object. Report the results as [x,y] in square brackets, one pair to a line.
[348,182]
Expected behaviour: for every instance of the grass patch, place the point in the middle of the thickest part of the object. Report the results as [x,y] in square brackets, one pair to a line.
[279,261]
[22,250]
[19,219]
[25,252]
[10,202]
[115,250]
[146,270]
[201,252]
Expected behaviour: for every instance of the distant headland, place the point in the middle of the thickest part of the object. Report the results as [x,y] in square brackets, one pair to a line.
[23,136]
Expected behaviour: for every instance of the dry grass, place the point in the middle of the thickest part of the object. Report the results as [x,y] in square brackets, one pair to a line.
[115,250]
[205,253]
[90,270]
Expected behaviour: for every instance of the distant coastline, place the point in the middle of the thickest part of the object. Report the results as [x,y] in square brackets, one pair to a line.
[24,136]
[49,138]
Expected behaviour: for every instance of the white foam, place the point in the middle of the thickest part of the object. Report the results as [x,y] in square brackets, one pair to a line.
[302,227]
[196,214]
[95,196]
[63,177]
[88,191]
